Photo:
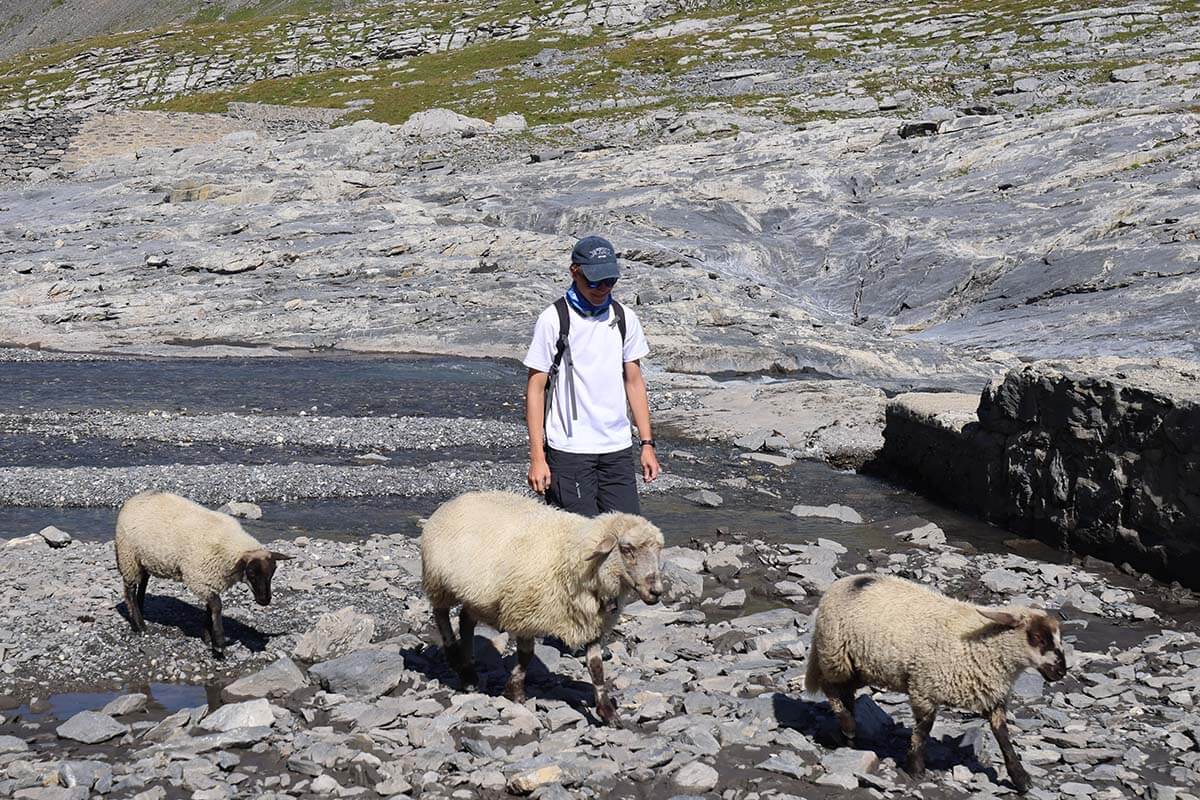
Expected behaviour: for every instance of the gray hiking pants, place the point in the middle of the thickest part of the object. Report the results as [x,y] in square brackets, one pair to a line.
[591,484]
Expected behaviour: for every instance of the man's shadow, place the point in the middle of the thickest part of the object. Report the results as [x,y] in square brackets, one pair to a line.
[190,619]
[817,721]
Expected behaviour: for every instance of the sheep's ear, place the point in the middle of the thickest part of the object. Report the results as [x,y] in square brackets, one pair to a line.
[604,546]
[280,556]
[1004,618]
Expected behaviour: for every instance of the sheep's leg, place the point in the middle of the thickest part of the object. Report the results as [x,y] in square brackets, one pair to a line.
[841,700]
[923,716]
[216,629]
[1016,772]
[606,707]
[515,690]
[450,647]
[133,604]
[141,594]
[466,645]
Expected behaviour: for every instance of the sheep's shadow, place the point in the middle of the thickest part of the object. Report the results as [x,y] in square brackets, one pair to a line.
[816,720]
[494,667]
[189,620]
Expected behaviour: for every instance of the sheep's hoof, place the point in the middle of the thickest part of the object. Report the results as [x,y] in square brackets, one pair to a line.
[1020,780]
[915,770]
[218,654]
[468,677]
[606,710]
[515,693]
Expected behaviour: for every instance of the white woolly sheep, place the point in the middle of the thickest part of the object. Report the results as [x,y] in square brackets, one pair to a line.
[523,567]
[169,536]
[886,632]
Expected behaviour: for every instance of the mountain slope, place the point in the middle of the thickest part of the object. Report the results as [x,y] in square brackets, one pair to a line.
[28,24]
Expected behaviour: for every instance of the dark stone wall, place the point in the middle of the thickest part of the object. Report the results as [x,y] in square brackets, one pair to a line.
[33,143]
[1105,464]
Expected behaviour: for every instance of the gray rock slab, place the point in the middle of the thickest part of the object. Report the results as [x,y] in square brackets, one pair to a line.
[90,727]
[831,511]
[278,679]
[364,673]
[247,714]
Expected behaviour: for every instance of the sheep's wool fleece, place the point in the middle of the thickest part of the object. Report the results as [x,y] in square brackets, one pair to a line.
[521,566]
[889,633]
[171,537]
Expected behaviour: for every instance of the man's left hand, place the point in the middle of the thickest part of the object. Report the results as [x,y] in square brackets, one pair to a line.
[650,468]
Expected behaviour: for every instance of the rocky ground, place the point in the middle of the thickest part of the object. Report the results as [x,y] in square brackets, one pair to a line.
[358,702]
[816,208]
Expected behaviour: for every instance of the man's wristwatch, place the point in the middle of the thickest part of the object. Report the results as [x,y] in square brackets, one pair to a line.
[647,443]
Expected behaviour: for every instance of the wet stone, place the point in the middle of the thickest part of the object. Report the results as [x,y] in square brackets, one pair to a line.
[125,704]
[831,511]
[705,497]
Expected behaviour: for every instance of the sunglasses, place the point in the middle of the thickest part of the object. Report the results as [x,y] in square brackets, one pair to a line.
[608,283]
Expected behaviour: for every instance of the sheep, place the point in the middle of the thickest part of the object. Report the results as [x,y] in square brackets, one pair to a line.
[532,570]
[886,632]
[169,536]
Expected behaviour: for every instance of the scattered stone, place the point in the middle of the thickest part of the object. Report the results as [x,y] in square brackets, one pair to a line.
[926,535]
[530,780]
[696,776]
[241,510]
[55,537]
[336,633]
[704,497]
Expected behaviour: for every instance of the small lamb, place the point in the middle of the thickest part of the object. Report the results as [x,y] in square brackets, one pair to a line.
[521,566]
[169,536]
[886,632]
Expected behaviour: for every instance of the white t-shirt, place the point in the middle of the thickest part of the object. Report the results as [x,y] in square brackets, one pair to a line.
[601,420]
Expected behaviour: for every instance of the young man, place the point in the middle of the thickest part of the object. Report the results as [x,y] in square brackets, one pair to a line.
[579,436]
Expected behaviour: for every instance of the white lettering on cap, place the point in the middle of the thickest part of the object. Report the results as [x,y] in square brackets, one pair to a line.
[600,252]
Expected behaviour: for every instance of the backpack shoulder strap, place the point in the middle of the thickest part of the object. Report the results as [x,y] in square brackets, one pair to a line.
[619,310]
[564,330]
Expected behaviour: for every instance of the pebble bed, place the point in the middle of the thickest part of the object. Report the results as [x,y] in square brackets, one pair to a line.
[706,684]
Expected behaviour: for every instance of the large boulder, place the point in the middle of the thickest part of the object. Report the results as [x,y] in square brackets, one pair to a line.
[441,122]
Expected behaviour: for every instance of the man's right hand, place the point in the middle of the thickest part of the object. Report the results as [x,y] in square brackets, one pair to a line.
[539,476]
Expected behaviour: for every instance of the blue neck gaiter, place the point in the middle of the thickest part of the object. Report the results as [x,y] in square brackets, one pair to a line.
[581,304]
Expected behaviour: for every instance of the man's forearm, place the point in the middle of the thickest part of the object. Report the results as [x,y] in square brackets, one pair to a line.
[639,404]
[535,415]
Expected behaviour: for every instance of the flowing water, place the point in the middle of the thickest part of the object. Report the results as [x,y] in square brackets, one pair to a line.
[414,386]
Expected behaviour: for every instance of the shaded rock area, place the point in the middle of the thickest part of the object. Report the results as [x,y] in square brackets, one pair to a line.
[1098,457]
[706,687]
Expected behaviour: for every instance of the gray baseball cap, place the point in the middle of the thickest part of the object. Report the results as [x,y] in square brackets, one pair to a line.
[596,257]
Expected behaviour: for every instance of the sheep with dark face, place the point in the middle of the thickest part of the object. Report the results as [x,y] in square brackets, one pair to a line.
[523,567]
[169,536]
[882,631]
